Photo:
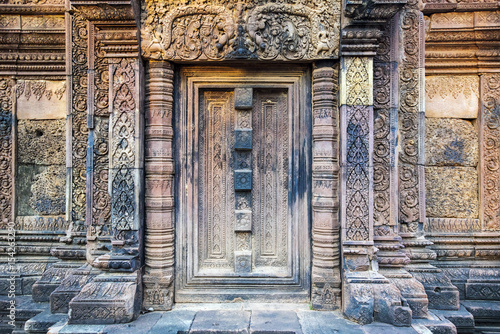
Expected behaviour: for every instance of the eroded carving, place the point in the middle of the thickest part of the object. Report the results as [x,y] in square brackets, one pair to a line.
[6,177]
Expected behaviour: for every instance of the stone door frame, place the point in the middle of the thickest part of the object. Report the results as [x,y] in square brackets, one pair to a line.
[160,171]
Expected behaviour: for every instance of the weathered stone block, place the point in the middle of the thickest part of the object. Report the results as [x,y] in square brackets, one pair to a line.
[42,142]
[221,322]
[41,190]
[242,180]
[243,98]
[450,142]
[451,192]
[452,96]
[41,99]
[243,261]
[243,139]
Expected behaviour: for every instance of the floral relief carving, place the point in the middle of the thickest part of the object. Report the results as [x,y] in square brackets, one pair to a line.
[6,176]
[79,118]
[38,89]
[358,81]
[490,158]
[215,30]
[444,86]
[357,185]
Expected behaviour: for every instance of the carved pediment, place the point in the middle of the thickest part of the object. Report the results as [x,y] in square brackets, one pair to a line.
[187,30]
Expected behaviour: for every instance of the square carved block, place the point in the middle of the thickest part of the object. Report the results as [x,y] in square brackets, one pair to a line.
[243,221]
[242,180]
[243,261]
[243,139]
[243,98]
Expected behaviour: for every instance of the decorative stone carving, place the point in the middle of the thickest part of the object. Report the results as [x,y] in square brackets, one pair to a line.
[253,29]
[490,154]
[452,96]
[108,299]
[79,131]
[6,153]
[325,226]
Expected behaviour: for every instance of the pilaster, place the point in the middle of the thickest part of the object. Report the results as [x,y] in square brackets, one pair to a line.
[440,291]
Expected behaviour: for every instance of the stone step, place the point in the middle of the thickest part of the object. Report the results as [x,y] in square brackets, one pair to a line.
[462,319]
[41,323]
[486,315]
[25,309]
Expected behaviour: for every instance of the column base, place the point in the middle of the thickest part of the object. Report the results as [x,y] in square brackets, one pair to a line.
[110,298]
[158,292]
[411,290]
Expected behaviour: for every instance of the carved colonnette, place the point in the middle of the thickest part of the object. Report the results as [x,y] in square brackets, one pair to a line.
[326,281]
[159,202]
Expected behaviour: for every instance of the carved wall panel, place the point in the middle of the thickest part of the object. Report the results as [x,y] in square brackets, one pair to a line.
[79,131]
[253,29]
[357,127]
[124,148]
[6,153]
[490,151]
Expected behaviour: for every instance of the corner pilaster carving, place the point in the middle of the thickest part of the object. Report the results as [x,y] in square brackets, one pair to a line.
[440,291]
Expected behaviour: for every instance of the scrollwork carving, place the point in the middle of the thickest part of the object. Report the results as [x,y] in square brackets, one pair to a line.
[490,157]
[6,176]
[216,30]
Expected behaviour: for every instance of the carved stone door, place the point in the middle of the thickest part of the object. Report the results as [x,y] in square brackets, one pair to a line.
[243,165]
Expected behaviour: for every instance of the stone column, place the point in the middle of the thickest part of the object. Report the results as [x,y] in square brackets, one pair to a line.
[367,295]
[159,201]
[440,291]
[326,282]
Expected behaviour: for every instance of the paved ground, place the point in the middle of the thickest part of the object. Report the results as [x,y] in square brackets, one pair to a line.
[239,318]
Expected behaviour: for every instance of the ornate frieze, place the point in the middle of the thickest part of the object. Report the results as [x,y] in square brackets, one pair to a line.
[252,29]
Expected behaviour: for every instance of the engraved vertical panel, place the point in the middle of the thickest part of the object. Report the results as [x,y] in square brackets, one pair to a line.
[6,153]
[123,153]
[271,173]
[216,188]
[490,151]
[79,135]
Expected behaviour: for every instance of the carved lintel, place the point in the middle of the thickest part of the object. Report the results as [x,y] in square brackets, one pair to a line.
[294,30]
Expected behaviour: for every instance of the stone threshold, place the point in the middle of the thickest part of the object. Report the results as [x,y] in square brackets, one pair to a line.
[249,318]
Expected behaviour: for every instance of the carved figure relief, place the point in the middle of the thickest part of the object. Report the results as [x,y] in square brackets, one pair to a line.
[253,29]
